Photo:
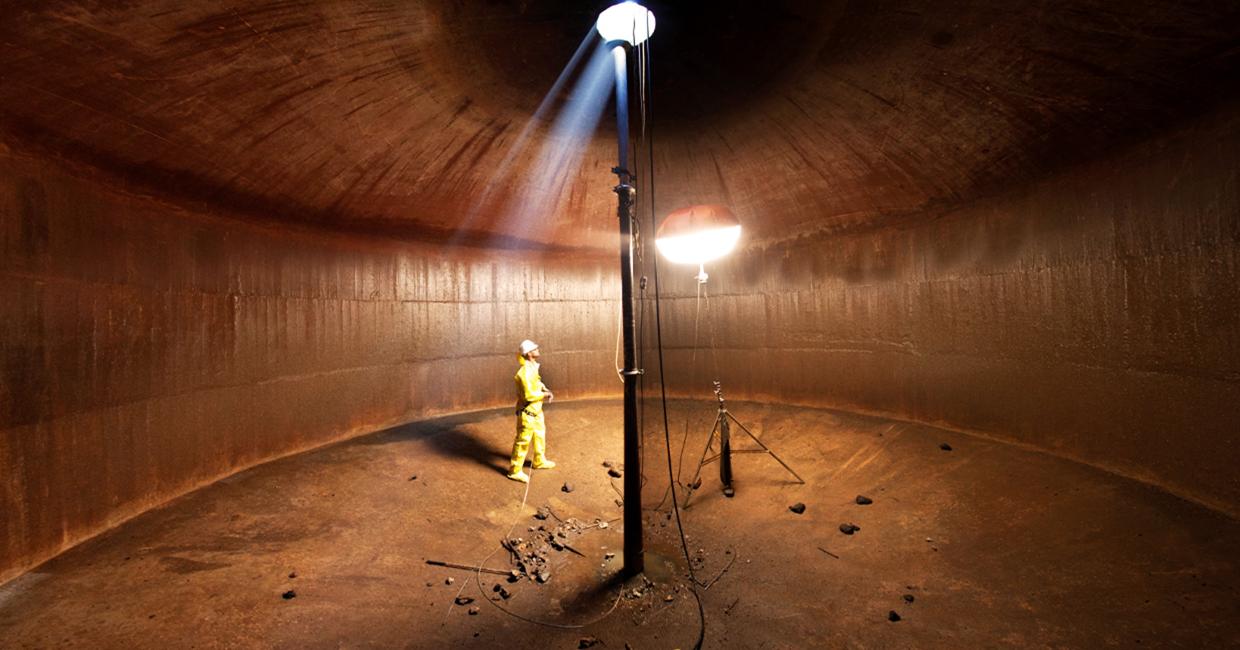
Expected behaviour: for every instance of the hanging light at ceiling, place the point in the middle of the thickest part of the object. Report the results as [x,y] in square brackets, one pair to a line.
[626,21]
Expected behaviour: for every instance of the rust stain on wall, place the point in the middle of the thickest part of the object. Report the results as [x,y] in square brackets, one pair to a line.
[1092,315]
[148,349]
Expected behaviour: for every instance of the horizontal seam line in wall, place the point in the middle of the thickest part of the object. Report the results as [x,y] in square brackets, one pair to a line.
[285,378]
[1229,378]
[138,288]
[1120,262]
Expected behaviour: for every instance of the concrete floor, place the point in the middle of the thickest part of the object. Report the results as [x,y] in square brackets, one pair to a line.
[997,545]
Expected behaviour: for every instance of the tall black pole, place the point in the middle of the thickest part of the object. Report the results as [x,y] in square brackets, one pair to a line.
[634,556]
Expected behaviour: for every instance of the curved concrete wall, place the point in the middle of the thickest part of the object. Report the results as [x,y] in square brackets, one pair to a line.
[146,349]
[1093,315]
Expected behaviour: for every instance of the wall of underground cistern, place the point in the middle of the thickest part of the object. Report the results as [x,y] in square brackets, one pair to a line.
[1092,315]
[151,349]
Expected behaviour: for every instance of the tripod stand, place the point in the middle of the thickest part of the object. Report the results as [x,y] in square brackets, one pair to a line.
[724,430]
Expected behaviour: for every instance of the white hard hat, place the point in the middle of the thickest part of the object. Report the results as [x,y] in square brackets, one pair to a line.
[528,346]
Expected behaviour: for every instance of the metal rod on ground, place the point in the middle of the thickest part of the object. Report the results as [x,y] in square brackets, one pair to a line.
[466,567]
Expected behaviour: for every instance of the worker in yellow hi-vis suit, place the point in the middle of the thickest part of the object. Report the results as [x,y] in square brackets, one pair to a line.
[531,393]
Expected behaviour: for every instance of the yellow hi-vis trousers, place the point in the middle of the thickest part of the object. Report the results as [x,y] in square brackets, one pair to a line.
[530,429]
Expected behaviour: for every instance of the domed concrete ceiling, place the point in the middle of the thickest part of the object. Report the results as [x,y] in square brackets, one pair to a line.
[415,118]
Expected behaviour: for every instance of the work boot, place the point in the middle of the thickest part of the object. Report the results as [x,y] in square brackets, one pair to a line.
[546,464]
[519,476]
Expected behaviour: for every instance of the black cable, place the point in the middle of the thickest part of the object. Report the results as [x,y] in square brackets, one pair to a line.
[658,328]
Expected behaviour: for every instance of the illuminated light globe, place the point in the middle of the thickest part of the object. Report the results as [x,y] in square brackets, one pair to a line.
[627,21]
[698,234]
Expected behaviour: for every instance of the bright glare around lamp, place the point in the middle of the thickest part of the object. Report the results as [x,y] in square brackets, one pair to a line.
[627,21]
[698,234]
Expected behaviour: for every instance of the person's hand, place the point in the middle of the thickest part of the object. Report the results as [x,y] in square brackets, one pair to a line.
[550,395]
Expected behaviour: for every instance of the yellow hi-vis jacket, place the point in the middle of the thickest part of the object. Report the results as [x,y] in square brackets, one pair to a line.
[530,389]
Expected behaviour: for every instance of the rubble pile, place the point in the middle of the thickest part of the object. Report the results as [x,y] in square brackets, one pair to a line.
[531,557]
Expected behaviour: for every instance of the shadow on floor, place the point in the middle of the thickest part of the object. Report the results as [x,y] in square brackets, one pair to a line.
[452,436]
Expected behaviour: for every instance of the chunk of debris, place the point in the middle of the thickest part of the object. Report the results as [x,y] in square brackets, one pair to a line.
[908,598]
[863,500]
[413,478]
[543,576]
[567,487]
[614,473]
[292,574]
[619,503]
[849,529]
[608,464]
[945,447]
[893,616]
[668,598]
[289,595]
[473,611]
[797,507]
[542,513]
[449,580]
[608,555]
[587,642]
[464,600]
